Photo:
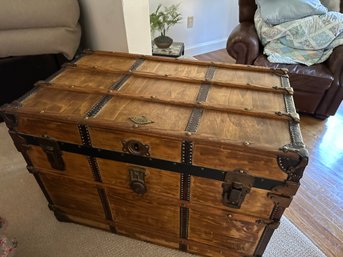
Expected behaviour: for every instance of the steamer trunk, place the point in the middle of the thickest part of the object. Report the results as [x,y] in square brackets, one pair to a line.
[198,156]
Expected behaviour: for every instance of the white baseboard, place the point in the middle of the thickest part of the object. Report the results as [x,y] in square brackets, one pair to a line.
[205,47]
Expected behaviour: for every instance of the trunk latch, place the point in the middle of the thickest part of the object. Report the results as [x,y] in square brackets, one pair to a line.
[53,152]
[235,187]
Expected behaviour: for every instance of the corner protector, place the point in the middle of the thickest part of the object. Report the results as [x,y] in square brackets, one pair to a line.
[10,119]
[293,167]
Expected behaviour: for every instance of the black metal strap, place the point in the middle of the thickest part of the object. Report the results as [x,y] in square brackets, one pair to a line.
[197,171]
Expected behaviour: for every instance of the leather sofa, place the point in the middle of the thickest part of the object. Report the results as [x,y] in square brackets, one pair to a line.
[318,89]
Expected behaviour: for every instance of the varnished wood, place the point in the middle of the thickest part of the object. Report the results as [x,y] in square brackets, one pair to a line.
[247,127]
[73,194]
[75,165]
[209,193]
[158,182]
[145,212]
[210,156]
[317,207]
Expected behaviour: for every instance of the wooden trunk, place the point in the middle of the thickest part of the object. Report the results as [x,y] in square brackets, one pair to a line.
[198,156]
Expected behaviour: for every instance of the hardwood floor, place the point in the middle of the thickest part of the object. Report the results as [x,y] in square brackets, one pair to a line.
[317,208]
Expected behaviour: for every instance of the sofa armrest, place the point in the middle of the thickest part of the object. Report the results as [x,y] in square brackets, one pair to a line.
[335,64]
[243,43]
[334,95]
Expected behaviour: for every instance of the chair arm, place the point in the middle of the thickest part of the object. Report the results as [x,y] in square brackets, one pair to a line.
[335,64]
[243,43]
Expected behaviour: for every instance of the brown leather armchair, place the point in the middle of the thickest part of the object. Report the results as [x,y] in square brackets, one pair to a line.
[318,89]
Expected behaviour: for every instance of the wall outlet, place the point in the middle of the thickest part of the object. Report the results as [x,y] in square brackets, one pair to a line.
[190,20]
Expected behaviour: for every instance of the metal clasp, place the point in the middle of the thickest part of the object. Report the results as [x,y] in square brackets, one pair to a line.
[53,152]
[235,187]
[137,180]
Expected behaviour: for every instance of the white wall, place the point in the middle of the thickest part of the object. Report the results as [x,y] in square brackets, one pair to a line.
[137,24]
[213,22]
[103,25]
[116,25]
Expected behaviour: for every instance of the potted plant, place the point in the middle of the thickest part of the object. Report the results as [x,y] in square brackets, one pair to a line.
[162,20]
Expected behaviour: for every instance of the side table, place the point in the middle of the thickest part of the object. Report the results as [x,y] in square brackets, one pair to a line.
[175,50]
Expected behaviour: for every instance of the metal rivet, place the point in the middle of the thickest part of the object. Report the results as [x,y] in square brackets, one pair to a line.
[241,171]
[135,125]
[152,97]
[110,91]
[87,118]
[42,111]
[246,143]
[188,133]
[229,216]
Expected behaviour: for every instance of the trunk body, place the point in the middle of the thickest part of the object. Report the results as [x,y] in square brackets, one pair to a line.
[198,156]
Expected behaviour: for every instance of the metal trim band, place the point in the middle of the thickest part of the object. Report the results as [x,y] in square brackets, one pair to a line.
[197,171]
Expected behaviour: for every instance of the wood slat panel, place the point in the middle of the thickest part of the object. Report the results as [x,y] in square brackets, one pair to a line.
[60,102]
[161,148]
[174,69]
[242,98]
[161,88]
[210,251]
[164,117]
[76,165]
[56,130]
[86,79]
[228,159]
[153,236]
[107,62]
[272,133]
[145,211]
[208,193]
[247,77]
[73,194]
[158,182]
[206,223]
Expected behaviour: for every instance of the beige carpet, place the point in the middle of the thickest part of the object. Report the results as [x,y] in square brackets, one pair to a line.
[40,235]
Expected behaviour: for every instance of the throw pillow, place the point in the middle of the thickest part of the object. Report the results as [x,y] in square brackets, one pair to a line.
[279,11]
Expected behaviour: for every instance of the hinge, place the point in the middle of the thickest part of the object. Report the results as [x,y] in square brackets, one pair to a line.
[10,119]
[53,152]
[288,90]
[280,71]
[235,187]
[272,224]
[281,201]
[293,167]
[294,116]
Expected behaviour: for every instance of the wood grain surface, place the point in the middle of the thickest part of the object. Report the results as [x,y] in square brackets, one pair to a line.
[76,165]
[209,193]
[158,182]
[73,194]
[318,205]
[155,216]
[230,159]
